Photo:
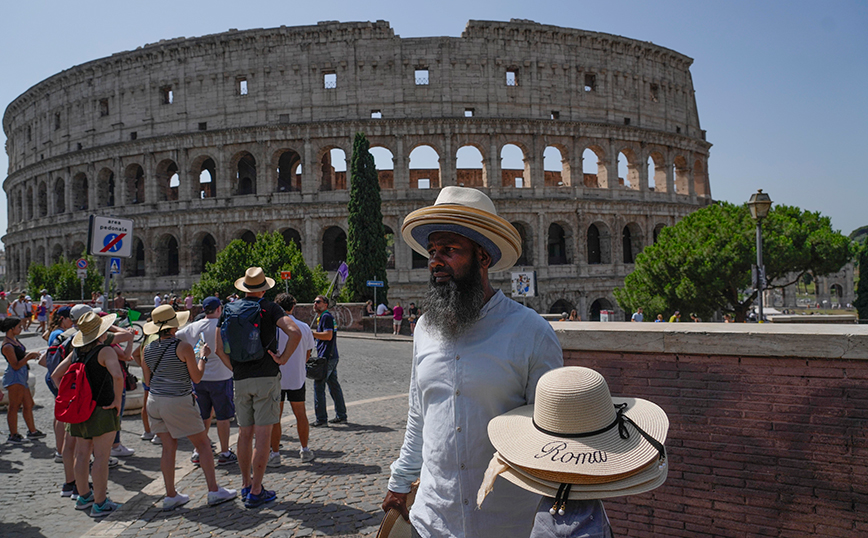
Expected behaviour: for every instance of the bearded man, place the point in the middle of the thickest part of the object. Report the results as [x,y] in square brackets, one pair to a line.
[476,354]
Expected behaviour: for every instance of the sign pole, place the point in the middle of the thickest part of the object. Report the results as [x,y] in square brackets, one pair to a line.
[375,312]
[108,276]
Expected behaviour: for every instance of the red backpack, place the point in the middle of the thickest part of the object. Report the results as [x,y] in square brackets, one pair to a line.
[74,403]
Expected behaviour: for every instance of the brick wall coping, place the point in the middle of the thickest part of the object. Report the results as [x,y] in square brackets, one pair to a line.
[737,339]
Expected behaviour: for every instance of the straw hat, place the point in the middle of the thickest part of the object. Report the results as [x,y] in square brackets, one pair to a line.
[91,327]
[164,317]
[469,213]
[577,434]
[394,525]
[254,279]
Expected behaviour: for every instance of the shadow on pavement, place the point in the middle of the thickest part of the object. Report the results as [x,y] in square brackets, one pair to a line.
[21,529]
[360,428]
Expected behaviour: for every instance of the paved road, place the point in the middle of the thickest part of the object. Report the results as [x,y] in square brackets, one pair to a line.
[338,494]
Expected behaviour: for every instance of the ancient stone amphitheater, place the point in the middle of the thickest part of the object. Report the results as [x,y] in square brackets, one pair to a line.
[204,140]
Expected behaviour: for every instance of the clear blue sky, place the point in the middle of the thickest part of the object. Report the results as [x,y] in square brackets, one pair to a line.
[782,87]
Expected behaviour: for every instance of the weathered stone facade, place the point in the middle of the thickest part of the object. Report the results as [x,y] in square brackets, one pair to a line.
[201,141]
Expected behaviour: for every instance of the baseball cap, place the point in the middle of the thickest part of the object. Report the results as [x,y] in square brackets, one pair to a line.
[79,310]
[211,304]
[64,312]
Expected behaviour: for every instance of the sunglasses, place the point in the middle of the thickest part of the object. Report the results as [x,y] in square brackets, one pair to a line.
[316,301]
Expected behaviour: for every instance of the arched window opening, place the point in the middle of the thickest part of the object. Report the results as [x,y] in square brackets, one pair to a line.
[390,247]
[168,180]
[526,257]
[557,245]
[594,172]
[384,162]
[652,175]
[333,170]
[627,244]
[682,175]
[40,255]
[79,192]
[204,252]
[560,306]
[77,251]
[105,188]
[207,179]
[657,170]
[598,306]
[628,173]
[594,253]
[424,169]
[700,179]
[632,242]
[42,199]
[56,253]
[248,237]
[291,235]
[470,167]
[657,230]
[28,203]
[555,168]
[289,172]
[139,263]
[419,261]
[334,248]
[169,256]
[245,175]
[514,169]
[135,180]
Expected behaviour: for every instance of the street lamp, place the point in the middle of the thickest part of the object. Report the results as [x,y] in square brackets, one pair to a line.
[760,203]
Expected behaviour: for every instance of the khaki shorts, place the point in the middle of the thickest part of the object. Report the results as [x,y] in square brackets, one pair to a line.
[257,401]
[179,416]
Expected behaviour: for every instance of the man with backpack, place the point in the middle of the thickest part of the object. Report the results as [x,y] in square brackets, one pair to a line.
[246,341]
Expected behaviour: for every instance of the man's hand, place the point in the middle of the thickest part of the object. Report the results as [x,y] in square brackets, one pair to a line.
[398,501]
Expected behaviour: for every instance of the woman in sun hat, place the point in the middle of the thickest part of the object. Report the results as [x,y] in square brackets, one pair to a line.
[170,368]
[95,435]
[575,445]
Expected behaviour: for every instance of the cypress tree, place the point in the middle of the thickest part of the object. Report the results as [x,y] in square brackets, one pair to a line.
[861,302]
[366,239]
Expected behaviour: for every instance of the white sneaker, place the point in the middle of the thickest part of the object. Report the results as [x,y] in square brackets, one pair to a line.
[274,459]
[170,503]
[156,440]
[307,455]
[221,496]
[147,436]
[121,451]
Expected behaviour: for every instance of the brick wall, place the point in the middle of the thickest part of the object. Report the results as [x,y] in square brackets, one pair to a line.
[758,446]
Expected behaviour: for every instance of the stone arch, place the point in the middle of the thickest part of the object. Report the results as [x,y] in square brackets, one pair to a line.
[286,163]
[560,306]
[559,238]
[56,253]
[332,161]
[77,251]
[27,261]
[599,244]
[632,242]
[168,180]
[598,305]
[836,294]
[79,192]
[470,166]
[167,255]
[514,173]
[418,261]
[390,246]
[594,177]
[105,188]
[656,172]
[681,174]
[291,235]
[28,203]
[556,166]
[136,266]
[628,169]
[384,161]
[657,230]
[204,251]
[134,178]
[334,247]
[40,256]
[203,173]
[244,179]
[700,179]
[247,236]
[421,158]
[526,232]
[42,199]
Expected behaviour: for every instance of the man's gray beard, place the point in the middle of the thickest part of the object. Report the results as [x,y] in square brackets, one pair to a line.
[453,307]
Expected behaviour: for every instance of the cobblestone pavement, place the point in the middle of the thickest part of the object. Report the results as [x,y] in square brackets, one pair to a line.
[336,495]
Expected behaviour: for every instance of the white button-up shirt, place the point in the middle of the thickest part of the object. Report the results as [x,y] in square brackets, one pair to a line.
[456,388]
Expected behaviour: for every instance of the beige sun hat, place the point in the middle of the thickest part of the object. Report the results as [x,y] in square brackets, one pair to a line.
[164,317]
[469,213]
[394,525]
[90,327]
[254,279]
[578,442]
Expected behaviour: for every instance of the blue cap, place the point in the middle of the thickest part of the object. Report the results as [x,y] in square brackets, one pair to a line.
[64,311]
[211,304]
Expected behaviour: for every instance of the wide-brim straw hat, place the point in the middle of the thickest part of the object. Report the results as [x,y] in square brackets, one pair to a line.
[471,214]
[254,280]
[90,327]
[394,525]
[577,433]
[165,317]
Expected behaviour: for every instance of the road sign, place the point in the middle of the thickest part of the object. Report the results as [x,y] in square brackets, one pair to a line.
[375,283]
[285,275]
[115,265]
[109,236]
[81,263]
[82,273]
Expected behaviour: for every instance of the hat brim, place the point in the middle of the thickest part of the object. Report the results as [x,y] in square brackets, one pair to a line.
[650,477]
[497,236]
[178,321]
[394,526]
[267,285]
[80,339]
[516,438]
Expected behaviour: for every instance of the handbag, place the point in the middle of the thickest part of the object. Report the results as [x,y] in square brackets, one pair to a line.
[317,368]
[130,380]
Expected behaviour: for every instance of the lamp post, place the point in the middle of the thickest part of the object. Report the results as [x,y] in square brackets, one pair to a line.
[760,203]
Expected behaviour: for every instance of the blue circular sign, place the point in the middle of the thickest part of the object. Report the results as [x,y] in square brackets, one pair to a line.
[81,263]
[110,240]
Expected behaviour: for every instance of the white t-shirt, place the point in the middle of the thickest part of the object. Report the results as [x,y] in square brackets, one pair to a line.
[48,303]
[292,374]
[382,309]
[203,331]
[157,300]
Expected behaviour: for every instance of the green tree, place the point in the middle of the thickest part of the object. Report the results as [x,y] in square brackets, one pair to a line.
[367,252]
[273,254]
[703,263]
[861,302]
[61,280]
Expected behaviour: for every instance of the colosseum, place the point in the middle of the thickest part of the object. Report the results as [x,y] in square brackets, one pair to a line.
[204,140]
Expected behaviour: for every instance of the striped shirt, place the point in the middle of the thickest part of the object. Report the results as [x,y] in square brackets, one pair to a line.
[170,377]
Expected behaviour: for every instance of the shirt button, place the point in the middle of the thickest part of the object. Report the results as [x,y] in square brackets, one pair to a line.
[458,428]
[458,393]
[466,501]
[457,357]
[462,466]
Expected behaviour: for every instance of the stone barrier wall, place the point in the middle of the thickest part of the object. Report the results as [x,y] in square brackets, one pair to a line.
[768,425]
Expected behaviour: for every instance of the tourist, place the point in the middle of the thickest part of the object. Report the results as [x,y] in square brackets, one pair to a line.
[15,381]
